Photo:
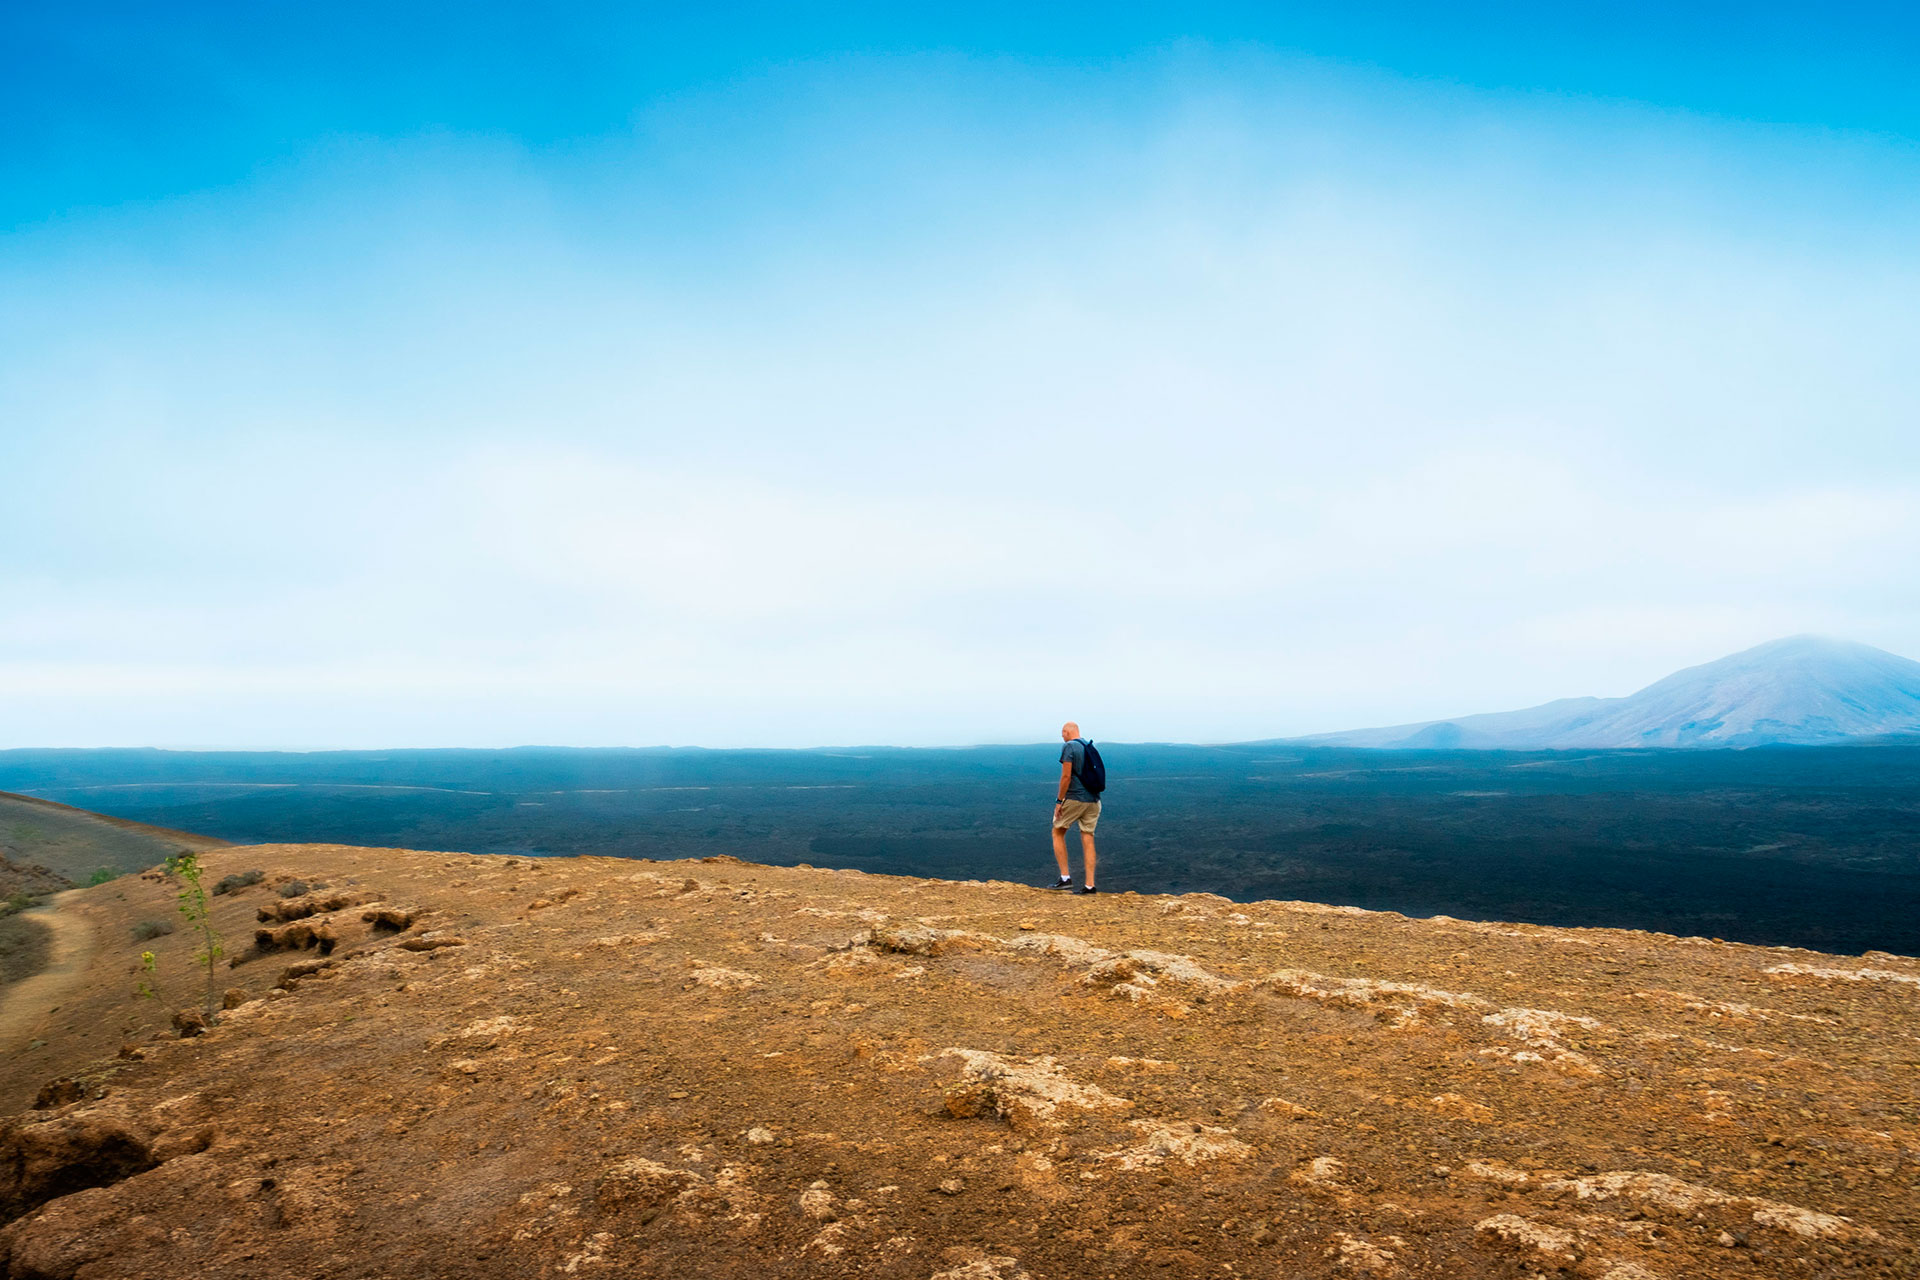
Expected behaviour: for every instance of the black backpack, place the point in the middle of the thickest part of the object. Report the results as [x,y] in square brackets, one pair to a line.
[1093,771]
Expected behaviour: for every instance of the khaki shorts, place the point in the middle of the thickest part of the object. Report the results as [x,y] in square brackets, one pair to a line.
[1080,811]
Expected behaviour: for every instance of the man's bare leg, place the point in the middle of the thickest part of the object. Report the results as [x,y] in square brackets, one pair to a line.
[1086,848]
[1060,851]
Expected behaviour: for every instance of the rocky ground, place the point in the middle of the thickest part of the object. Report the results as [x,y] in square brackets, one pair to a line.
[439,1065]
[29,880]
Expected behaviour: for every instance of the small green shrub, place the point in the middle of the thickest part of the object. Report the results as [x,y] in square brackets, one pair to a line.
[293,888]
[103,875]
[149,990]
[193,905]
[239,880]
[151,929]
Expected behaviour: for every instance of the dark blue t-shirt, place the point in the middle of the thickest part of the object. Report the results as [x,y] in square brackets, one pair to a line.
[1076,751]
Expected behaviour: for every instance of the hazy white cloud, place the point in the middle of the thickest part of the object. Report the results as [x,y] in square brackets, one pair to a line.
[1229,415]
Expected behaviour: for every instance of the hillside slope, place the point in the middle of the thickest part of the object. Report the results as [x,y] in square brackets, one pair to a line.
[74,843]
[598,1067]
[1803,689]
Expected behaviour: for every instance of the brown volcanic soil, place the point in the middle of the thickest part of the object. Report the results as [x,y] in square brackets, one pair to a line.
[615,1068]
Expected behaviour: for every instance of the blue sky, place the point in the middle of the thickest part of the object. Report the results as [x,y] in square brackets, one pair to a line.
[436,375]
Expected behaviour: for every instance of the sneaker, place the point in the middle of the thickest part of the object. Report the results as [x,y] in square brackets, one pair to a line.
[1086,888]
[1065,883]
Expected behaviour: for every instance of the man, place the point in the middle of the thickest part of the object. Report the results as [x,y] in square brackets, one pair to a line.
[1073,803]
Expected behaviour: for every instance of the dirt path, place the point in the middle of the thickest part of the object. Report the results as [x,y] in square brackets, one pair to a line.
[26,1006]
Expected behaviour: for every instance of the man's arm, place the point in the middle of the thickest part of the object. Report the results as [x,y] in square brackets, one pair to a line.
[1066,780]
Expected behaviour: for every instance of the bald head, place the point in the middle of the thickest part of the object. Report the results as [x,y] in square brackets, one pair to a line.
[1069,731]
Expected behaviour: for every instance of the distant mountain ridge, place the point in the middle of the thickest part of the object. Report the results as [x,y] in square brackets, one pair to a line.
[1802,690]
